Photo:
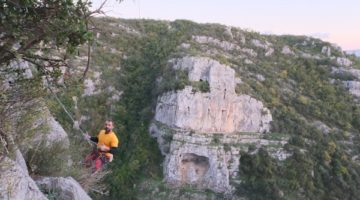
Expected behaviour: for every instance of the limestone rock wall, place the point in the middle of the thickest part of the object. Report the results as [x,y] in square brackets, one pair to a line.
[16,184]
[28,132]
[33,124]
[197,164]
[220,110]
[201,133]
[352,85]
[205,159]
[67,188]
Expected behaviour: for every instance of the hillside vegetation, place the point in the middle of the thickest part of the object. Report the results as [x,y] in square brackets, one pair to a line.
[292,75]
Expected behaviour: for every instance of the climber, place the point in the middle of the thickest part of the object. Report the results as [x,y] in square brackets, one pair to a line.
[107,143]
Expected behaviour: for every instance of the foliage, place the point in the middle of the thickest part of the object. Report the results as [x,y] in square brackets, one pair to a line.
[51,194]
[51,163]
[139,155]
[202,86]
[298,91]
[56,24]
[36,32]
[259,172]
[43,33]
[317,159]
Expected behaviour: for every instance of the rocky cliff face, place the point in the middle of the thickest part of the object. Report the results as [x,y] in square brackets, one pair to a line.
[219,111]
[31,141]
[201,133]
[353,85]
[41,129]
[66,188]
[207,160]
[15,182]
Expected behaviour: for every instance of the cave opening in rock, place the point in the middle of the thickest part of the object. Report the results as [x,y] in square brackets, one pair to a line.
[193,168]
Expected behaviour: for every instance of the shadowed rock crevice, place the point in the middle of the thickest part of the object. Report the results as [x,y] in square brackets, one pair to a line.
[193,168]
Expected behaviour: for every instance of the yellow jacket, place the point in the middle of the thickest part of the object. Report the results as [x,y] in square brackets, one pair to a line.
[109,140]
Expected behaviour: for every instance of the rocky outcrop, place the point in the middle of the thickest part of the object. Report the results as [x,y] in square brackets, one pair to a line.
[33,130]
[212,113]
[197,164]
[220,110]
[228,32]
[38,130]
[207,160]
[66,188]
[322,127]
[91,84]
[41,131]
[201,133]
[35,124]
[16,184]
[352,85]
[28,129]
[19,159]
[326,50]
[343,61]
[287,51]
[226,46]
[263,45]
[342,70]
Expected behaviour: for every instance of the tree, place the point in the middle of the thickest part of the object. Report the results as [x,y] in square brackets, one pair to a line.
[30,29]
[42,33]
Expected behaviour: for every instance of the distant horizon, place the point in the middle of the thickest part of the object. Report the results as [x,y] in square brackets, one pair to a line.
[331,21]
[245,29]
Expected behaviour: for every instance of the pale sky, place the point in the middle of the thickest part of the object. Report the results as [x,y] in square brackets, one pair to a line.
[336,21]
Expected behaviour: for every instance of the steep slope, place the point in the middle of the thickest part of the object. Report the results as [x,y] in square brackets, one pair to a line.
[33,144]
[284,116]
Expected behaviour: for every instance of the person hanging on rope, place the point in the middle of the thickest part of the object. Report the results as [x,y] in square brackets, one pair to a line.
[107,143]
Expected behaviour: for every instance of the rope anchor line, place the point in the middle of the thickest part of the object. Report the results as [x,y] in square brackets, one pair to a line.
[63,107]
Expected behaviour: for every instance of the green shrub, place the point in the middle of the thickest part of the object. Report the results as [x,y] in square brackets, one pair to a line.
[47,160]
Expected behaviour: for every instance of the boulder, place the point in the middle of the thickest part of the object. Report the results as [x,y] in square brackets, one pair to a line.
[66,188]
[225,45]
[343,61]
[353,87]
[287,51]
[326,50]
[16,184]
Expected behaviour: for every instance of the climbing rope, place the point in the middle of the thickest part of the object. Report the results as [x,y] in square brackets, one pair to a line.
[64,108]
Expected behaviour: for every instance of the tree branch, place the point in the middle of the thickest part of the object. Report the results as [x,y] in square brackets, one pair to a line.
[88,62]
[97,11]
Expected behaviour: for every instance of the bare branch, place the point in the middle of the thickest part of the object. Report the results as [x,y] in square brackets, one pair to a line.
[97,11]
[44,58]
[31,43]
[88,62]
